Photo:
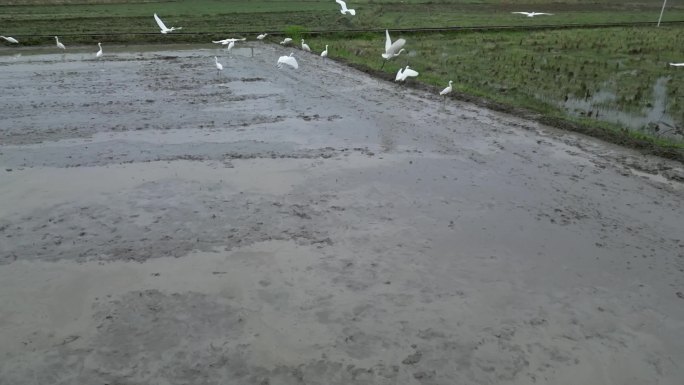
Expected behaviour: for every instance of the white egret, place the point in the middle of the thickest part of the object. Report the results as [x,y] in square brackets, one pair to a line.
[99,53]
[325,53]
[289,60]
[677,64]
[10,39]
[219,66]
[59,45]
[400,74]
[305,46]
[392,49]
[286,41]
[344,9]
[662,10]
[163,27]
[262,36]
[228,41]
[447,90]
[532,14]
[404,73]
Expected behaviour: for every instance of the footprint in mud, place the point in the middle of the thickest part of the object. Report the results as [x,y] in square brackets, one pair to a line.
[309,117]
[358,344]
[413,359]
[317,117]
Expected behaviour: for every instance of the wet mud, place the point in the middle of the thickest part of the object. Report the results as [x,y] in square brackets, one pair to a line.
[164,224]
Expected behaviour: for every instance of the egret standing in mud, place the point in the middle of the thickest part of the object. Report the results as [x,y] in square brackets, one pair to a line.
[344,8]
[324,54]
[98,54]
[163,27]
[392,50]
[286,41]
[10,39]
[262,36]
[59,44]
[305,46]
[289,60]
[219,66]
[447,90]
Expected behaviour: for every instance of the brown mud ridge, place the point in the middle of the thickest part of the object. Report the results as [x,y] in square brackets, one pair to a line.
[617,137]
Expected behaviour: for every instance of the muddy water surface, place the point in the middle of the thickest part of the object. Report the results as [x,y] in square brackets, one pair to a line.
[163,224]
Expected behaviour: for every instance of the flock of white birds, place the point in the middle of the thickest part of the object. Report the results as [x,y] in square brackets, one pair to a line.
[392,49]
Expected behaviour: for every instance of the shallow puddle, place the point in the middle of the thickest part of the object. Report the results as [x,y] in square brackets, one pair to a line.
[653,120]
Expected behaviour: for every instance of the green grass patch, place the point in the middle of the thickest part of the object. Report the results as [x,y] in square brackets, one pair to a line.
[296,32]
[615,72]
[33,17]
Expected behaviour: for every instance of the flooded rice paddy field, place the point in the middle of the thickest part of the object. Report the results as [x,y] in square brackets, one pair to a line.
[163,224]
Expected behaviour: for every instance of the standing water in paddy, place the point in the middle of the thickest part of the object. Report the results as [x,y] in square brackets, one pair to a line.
[653,119]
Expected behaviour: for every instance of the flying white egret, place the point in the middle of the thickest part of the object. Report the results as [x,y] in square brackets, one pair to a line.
[392,49]
[163,28]
[404,73]
[10,39]
[532,14]
[59,45]
[344,9]
[262,36]
[447,90]
[99,53]
[677,64]
[286,41]
[662,10]
[289,60]
[305,46]
[228,41]
[325,53]
[219,66]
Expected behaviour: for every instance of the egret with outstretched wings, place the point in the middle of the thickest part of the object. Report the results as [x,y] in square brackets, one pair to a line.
[344,8]
[402,74]
[163,27]
[392,50]
[228,41]
[532,14]
[289,60]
